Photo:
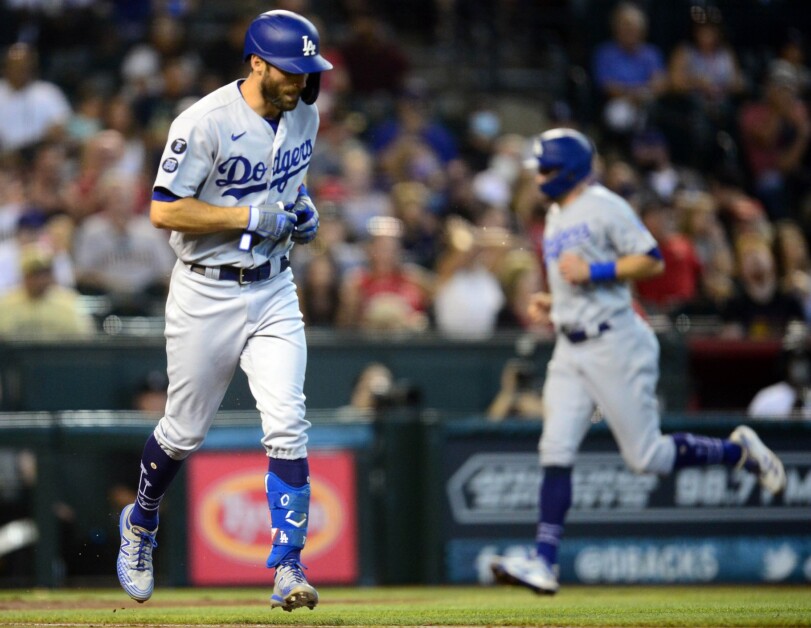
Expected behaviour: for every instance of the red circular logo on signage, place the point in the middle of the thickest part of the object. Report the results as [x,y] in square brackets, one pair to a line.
[234,517]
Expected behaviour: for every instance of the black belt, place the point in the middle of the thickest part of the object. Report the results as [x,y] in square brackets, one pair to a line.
[580,335]
[241,275]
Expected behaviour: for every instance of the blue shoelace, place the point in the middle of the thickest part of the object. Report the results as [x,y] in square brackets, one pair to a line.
[145,547]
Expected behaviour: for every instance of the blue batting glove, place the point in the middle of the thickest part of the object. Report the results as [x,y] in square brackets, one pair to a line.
[306,218]
[271,221]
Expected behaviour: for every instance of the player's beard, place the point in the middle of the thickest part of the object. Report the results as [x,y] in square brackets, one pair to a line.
[282,97]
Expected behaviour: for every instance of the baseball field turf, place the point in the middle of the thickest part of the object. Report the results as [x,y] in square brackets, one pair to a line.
[420,606]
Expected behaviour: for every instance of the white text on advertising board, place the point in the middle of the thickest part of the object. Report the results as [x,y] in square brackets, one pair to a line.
[503,488]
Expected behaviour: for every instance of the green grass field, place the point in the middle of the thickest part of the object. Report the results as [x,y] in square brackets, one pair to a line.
[420,606]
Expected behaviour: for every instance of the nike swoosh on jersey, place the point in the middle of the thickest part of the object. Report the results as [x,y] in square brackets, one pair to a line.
[236,137]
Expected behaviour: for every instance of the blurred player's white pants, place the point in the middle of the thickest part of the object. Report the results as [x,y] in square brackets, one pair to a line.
[617,371]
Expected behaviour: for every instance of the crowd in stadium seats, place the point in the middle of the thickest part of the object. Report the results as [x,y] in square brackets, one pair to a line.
[429,220]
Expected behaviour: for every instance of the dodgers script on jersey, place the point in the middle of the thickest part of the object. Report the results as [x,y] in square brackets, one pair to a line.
[221,152]
[230,186]
[599,226]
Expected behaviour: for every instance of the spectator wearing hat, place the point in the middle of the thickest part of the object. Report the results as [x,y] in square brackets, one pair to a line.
[40,309]
[35,226]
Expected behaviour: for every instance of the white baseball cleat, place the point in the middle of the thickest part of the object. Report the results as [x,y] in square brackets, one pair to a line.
[771,473]
[532,572]
[134,562]
[291,589]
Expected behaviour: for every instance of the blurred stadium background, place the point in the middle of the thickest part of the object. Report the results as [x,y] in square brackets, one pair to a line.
[425,124]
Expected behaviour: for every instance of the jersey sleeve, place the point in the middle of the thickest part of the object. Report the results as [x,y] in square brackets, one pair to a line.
[187,159]
[627,233]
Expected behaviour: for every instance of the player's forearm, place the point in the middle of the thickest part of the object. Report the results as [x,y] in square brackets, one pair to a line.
[191,215]
[632,267]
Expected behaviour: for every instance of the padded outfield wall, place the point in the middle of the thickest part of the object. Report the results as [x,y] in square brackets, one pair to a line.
[409,498]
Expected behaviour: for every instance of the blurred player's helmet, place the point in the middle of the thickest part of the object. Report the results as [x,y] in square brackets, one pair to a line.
[291,43]
[565,155]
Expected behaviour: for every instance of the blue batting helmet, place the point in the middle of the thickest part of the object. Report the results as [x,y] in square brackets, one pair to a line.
[291,43]
[566,155]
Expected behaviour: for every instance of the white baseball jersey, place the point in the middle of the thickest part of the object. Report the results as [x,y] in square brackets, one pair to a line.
[599,226]
[615,367]
[221,152]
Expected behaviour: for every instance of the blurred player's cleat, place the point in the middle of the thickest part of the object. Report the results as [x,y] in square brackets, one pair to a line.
[532,572]
[770,470]
[135,558]
[291,589]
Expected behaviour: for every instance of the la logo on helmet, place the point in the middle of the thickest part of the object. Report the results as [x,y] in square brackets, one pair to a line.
[308,49]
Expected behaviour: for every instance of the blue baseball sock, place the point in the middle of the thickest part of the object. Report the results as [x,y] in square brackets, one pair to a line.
[157,472]
[555,501]
[294,473]
[693,450]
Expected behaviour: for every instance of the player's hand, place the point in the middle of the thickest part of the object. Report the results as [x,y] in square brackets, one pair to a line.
[306,217]
[271,221]
[539,306]
[574,268]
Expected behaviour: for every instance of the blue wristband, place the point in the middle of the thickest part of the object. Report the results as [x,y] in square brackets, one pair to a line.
[603,271]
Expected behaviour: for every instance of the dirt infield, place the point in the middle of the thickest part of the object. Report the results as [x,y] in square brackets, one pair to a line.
[94,604]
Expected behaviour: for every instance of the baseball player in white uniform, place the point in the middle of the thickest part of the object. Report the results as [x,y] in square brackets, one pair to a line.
[605,354]
[231,189]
